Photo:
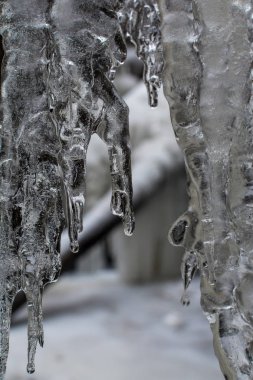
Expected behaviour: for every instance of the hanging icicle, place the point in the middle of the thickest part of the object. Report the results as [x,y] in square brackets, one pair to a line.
[140,22]
[208,84]
[55,93]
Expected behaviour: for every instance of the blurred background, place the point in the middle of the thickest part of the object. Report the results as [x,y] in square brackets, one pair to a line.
[115,312]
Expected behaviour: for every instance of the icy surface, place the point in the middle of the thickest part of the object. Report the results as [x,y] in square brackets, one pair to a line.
[208,83]
[56,91]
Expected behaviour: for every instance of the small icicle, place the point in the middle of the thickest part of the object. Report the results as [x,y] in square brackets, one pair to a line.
[62,96]
[140,21]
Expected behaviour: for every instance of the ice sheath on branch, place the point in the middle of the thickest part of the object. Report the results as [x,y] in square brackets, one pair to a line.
[208,84]
[59,56]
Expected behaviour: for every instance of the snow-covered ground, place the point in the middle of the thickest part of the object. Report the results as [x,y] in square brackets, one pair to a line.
[97,328]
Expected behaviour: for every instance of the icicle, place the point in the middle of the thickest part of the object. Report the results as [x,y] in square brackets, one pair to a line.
[94,105]
[140,21]
[55,95]
[208,84]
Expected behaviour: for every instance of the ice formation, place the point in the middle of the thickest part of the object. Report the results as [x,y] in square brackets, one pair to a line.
[56,87]
[208,84]
[59,57]
[140,22]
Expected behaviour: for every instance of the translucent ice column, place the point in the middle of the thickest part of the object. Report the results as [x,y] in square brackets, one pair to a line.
[208,84]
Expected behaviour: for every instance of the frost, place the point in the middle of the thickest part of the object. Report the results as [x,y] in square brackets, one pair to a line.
[56,91]
[208,83]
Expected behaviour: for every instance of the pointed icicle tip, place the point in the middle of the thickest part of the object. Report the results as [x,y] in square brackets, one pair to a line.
[185,299]
[30,368]
[74,246]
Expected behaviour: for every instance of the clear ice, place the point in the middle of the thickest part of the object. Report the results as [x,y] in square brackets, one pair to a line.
[208,84]
[56,91]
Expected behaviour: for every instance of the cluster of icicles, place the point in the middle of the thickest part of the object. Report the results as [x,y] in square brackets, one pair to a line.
[60,57]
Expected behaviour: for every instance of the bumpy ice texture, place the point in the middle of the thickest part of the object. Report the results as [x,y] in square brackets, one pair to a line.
[208,84]
[55,93]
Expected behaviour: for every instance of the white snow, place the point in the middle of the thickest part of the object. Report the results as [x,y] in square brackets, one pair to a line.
[97,328]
